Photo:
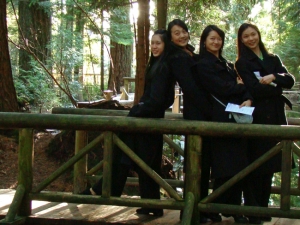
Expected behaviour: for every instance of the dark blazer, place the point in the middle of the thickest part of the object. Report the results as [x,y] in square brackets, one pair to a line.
[218,77]
[158,95]
[196,104]
[268,100]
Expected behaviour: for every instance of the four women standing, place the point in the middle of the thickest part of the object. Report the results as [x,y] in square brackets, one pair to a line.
[209,82]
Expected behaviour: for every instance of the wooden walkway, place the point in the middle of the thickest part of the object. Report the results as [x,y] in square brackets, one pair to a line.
[45,213]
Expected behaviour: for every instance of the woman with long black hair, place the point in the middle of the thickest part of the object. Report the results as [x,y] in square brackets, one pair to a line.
[158,96]
[265,77]
[196,104]
[218,77]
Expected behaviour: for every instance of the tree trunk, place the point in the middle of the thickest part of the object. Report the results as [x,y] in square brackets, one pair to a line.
[102,53]
[79,30]
[35,25]
[142,48]
[121,56]
[121,53]
[162,10]
[8,96]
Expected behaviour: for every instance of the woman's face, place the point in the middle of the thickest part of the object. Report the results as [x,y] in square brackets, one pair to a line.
[157,45]
[250,38]
[213,43]
[179,36]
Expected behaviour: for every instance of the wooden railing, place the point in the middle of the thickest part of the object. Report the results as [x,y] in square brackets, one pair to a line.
[83,120]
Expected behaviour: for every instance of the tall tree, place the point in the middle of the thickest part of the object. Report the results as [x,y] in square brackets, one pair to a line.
[8,96]
[162,10]
[34,31]
[142,48]
[121,48]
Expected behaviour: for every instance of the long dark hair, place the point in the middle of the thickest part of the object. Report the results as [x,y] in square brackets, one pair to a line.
[205,34]
[155,63]
[241,47]
[177,22]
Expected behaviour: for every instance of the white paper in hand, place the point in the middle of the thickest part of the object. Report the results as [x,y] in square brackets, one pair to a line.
[258,76]
[236,108]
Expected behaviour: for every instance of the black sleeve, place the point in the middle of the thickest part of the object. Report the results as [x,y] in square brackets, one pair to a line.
[159,96]
[283,78]
[182,70]
[208,77]
[255,88]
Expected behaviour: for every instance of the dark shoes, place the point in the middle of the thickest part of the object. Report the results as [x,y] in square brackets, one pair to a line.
[266,218]
[240,219]
[254,220]
[86,192]
[214,217]
[147,211]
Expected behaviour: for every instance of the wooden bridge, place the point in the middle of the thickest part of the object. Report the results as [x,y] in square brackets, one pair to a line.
[106,209]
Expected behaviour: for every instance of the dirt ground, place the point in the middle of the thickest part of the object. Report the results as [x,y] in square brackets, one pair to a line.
[43,165]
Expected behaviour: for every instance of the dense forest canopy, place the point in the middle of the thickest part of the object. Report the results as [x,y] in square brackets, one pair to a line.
[67,51]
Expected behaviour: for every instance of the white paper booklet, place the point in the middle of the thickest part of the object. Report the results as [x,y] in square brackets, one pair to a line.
[236,108]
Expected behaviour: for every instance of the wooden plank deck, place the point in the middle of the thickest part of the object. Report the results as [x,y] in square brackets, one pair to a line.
[44,213]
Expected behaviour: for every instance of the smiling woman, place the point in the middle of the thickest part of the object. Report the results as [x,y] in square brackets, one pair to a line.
[157,45]
[218,77]
[269,103]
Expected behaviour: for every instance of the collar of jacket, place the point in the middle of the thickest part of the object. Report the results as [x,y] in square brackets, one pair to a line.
[249,54]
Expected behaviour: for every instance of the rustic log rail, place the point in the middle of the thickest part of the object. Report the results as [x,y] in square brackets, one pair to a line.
[171,125]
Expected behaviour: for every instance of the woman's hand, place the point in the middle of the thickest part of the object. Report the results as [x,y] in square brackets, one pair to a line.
[239,80]
[247,103]
[267,79]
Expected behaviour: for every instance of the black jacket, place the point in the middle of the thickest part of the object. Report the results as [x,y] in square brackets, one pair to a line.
[218,77]
[196,104]
[158,95]
[268,100]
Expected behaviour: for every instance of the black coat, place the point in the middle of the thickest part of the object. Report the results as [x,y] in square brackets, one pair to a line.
[218,77]
[158,95]
[268,100]
[196,104]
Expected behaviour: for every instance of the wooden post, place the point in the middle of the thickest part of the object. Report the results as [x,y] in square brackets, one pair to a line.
[15,205]
[286,164]
[176,104]
[80,167]
[107,164]
[188,209]
[193,172]
[25,176]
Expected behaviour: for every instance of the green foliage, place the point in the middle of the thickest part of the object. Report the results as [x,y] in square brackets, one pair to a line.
[174,156]
[295,200]
[120,27]
[91,92]
[36,88]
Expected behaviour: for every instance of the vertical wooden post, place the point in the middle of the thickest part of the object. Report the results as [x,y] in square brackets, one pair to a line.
[285,199]
[80,168]
[176,104]
[107,164]
[25,176]
[193,172]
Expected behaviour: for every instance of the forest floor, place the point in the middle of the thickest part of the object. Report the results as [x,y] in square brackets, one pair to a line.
[43,165]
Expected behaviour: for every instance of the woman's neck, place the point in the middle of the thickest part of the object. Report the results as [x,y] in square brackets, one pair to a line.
[257,52]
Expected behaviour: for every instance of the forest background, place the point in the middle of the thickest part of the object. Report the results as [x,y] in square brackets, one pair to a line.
[57,53]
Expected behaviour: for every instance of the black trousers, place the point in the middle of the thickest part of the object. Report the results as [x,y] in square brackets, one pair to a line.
[259,189]
[149,149]
[232,196]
